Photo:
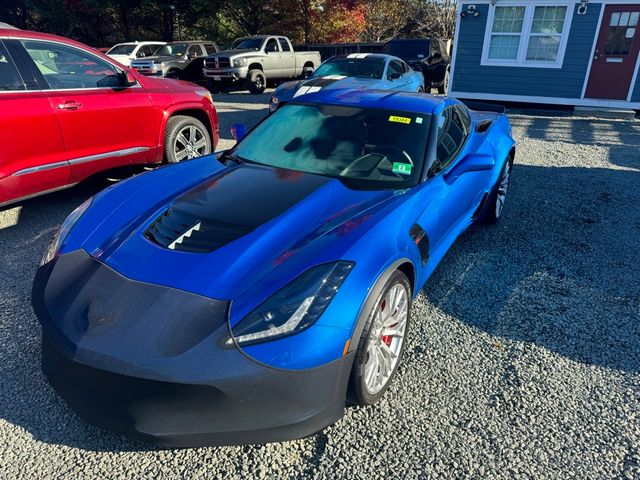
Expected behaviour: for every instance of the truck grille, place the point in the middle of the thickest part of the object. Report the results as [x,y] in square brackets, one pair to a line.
[142,64]
[218,62]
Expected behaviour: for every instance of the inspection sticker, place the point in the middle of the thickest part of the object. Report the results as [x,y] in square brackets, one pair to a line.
[402,168]
[396,119]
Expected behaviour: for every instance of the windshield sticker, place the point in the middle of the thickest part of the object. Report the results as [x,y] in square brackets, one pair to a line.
[396,119]
[418,119]
[402,168]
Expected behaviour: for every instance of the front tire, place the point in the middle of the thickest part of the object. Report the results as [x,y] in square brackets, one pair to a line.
[442,89]
[185,138]
[212,86]
[382,342]
[498,197]
[175,74]
[256,81]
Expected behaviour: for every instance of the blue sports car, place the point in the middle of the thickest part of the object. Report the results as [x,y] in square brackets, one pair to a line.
[356,70]
[245,297]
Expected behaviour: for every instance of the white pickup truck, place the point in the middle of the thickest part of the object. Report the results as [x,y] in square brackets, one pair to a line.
[254,60]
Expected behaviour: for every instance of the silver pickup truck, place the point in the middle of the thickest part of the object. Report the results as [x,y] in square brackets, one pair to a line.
[254,60]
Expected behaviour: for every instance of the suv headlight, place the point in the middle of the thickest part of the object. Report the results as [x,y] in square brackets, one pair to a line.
[239,62]
[294,307]
[63,231]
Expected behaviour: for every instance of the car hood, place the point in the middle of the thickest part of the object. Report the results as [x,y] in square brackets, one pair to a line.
[287,91]
[124,59]
[232,53]
[159,58]
[242,226]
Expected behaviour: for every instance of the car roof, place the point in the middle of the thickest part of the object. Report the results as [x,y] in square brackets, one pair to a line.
[139,43]
[190,41]
[384,99]
[31,35]
[360,56]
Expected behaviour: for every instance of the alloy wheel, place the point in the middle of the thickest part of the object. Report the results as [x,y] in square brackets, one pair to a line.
[189,143]
[503,186]
[385,338]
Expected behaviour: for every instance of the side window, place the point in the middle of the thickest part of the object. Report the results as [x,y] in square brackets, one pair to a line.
[272,45]
[9,77]
[65,67]
[194,51]
[210,48]
[394,68]
[453,129]
[155,47]
[284,45]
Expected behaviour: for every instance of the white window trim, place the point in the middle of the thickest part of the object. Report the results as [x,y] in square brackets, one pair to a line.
[521,61]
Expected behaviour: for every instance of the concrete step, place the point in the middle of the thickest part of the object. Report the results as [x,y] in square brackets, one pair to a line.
[603,112]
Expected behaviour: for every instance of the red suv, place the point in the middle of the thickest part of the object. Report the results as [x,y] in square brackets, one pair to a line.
[68,111]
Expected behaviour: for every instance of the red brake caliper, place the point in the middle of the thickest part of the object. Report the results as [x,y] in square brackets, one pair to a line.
[385,338]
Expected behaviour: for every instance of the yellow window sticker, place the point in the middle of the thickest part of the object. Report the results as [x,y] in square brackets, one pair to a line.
[396,119]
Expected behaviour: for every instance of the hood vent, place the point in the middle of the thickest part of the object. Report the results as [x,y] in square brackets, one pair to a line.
[184,232]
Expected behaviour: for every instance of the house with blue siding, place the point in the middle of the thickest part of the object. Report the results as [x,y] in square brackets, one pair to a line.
[563,52]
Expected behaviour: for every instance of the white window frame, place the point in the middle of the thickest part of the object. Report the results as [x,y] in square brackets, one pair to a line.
[521,60]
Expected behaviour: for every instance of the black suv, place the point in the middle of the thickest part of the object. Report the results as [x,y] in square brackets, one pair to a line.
[428,55]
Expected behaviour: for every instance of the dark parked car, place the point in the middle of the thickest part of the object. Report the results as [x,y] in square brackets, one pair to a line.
[181,60]
[429,55]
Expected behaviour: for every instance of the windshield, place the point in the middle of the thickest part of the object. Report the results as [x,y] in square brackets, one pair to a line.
[172,50]
[364,147]
[247,44]
[411,49]
[352,67]
[122,49]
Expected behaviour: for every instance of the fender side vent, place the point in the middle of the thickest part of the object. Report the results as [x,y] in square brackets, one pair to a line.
[421,239]
[483,126]
[483,202]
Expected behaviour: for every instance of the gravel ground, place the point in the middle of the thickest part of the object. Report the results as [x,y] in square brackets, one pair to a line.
[523,360]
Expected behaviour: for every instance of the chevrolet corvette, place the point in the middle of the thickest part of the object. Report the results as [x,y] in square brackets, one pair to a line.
[248,296]
[356,70]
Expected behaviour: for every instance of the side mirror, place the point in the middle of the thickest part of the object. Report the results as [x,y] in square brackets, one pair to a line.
[473,162]
[394,76]
[126,79]
[192,55]
[238,131]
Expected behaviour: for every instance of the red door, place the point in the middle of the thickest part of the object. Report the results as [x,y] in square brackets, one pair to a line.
[32,156]
[102,126]
[616,53]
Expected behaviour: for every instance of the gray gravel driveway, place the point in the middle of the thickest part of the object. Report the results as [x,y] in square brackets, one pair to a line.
[523,359]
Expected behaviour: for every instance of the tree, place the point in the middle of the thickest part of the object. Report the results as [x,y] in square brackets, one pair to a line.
[385,19]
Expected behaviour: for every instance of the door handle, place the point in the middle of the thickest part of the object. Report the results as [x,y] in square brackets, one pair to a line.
[69,105]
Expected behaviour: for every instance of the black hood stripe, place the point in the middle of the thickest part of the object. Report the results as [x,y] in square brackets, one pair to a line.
[230,206]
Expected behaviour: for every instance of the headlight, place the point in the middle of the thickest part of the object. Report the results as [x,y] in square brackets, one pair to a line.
[205,93]
[63,231]
[294,307]
[239,62]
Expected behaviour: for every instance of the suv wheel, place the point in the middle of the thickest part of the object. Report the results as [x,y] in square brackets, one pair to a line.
[185,138]
[442,89]
[256,81]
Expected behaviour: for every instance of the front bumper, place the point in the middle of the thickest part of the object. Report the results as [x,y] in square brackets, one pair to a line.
[120,355]
[226,75]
